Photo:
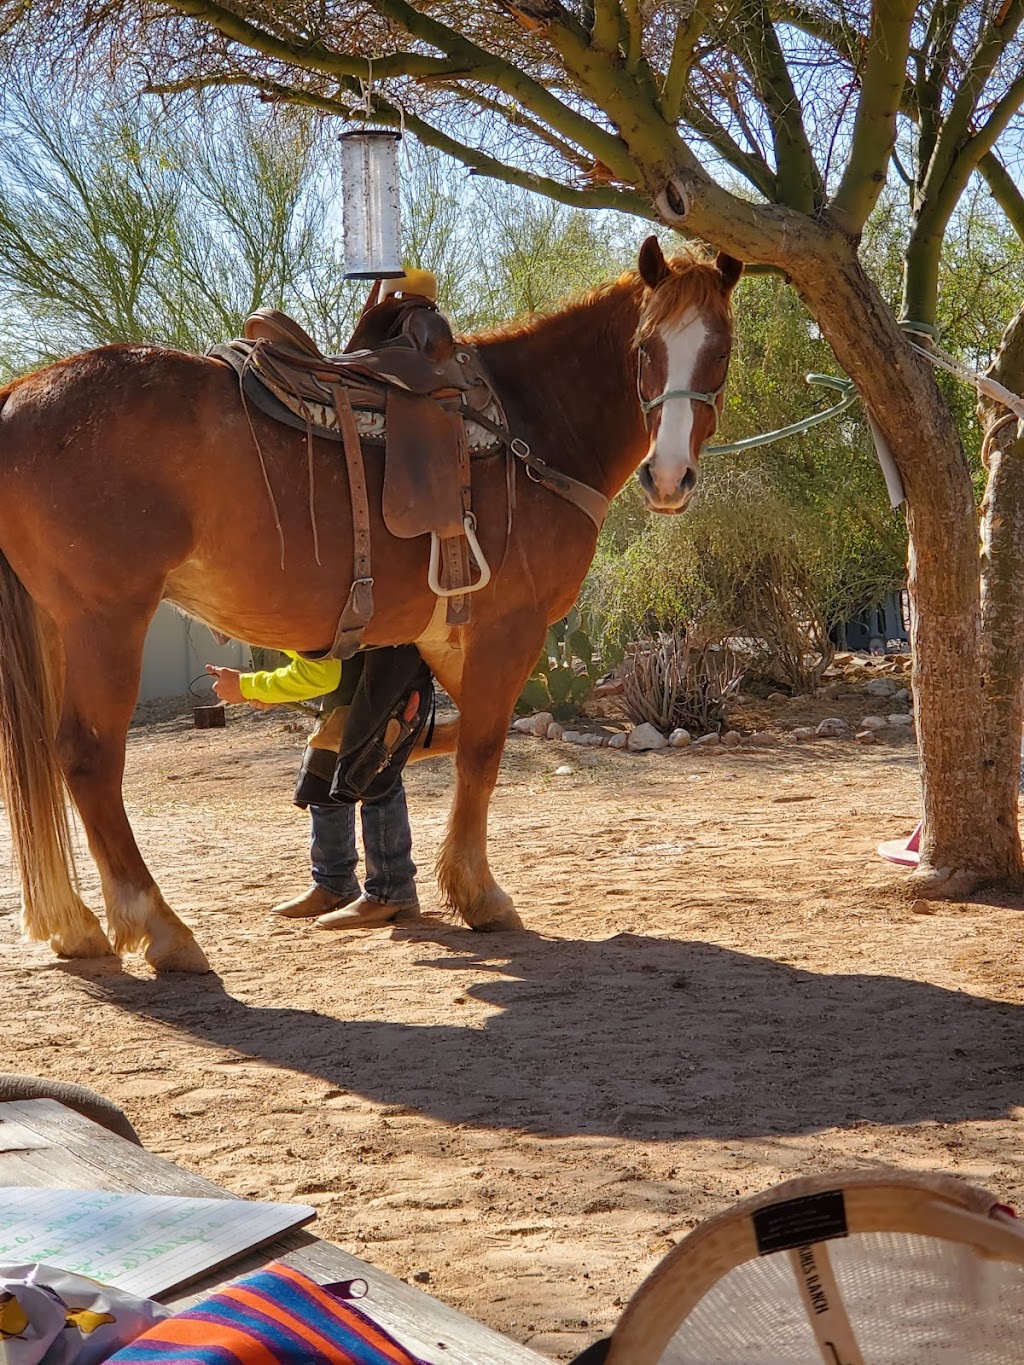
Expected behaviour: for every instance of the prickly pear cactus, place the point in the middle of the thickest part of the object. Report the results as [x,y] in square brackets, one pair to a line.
[566,671]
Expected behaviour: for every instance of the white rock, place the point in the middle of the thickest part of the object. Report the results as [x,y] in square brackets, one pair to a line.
[541,721]
[679,739]
[707,740]
[832,726]
[592,741]
[732,739]
[564,771]
[619,741]
[761,739]
[646,737]
[880,687]
[803,732]
[899,719]
[555,731]
[571,736]
[524,725]
[902,695]
[874,723]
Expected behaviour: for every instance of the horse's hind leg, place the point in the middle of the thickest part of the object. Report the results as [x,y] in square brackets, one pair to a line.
[102,665]
[498,661]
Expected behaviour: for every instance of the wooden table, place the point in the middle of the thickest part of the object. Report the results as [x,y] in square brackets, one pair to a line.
[80,1155]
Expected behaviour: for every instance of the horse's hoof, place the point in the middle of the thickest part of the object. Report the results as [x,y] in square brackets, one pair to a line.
[88,942]
[510,923]
[186,957]
[493,914]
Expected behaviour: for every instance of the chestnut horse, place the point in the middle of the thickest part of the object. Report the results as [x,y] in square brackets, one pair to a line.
[129,475]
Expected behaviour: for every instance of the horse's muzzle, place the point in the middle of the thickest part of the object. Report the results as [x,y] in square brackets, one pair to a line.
[673,503]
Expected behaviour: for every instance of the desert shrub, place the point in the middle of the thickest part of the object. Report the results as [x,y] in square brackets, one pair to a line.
[671,682]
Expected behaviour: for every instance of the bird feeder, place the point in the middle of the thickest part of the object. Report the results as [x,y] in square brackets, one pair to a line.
[370,204]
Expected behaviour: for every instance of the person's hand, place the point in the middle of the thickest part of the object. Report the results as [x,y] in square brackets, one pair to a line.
[225,683]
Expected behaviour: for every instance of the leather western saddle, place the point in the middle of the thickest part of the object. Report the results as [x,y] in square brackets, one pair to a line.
[404,383]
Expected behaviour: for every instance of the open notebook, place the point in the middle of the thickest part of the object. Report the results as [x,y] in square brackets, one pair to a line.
[147,1244]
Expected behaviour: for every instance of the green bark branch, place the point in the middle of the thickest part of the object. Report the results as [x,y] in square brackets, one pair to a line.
[634,34]
[956,125]
[489,68]
[478,162]
[798,178]
[1004,191]
[749,164]
[517,118]
[874,128]
[684,46]
[311,56]
[606,34]
[839,36]
[934,62]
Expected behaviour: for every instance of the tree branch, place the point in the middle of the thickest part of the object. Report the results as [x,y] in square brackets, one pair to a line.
[956,125]
[606,35]
[1004,191]
[478,162]
[936,55]
[749,164]
[816,24]
[797,175]
[874,128]
[683,48]
[518,119]
[312,56]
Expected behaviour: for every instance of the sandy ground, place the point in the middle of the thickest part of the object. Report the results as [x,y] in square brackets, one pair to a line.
[722,987]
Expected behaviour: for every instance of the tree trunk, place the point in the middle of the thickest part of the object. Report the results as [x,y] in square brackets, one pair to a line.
[969,806]
[1002,578]
[969,810]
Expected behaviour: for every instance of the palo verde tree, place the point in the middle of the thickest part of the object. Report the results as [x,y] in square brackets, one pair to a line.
[764,127]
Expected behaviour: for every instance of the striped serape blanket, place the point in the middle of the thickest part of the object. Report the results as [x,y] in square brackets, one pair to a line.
[277,1316]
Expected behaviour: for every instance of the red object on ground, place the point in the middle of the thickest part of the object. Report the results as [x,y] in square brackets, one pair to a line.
[902,851]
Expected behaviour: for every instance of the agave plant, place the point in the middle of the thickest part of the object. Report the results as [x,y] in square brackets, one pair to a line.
[670,683]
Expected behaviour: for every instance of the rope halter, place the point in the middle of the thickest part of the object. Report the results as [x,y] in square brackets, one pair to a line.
[648,405]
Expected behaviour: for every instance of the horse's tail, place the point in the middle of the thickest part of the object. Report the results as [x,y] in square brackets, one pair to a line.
[31,782]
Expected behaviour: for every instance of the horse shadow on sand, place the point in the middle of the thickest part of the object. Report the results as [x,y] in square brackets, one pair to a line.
[636,1036]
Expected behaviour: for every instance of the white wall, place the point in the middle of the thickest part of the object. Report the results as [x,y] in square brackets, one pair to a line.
[176,650]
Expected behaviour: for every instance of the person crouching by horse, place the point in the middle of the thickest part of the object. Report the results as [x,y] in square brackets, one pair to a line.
[373,711]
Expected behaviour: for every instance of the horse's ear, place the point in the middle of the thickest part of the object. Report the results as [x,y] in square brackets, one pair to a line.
[653,269]
[729,268]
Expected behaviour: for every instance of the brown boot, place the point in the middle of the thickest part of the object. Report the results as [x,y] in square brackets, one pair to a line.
[366,914]
[318,900]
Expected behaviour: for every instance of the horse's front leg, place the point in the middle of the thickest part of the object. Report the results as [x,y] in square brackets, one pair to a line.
[498,661]
[102,666]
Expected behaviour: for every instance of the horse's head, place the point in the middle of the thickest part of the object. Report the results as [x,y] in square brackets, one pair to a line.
[683,343]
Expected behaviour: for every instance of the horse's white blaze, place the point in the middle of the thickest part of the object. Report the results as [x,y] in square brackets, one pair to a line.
[670,459]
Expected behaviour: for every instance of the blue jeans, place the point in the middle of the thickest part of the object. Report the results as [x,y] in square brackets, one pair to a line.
[387,849]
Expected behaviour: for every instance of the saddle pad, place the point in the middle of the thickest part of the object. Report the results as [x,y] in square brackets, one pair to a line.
[276,1317]
[421,470]
[370,423]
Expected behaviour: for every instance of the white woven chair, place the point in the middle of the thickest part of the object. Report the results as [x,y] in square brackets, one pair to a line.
[883,1267]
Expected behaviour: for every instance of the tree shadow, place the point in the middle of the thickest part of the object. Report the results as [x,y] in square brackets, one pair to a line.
[649,1038]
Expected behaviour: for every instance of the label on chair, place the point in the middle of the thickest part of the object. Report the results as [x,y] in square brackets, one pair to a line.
[799,1222]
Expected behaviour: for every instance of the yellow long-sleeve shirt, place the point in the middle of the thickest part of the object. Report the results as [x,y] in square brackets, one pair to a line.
[297,681]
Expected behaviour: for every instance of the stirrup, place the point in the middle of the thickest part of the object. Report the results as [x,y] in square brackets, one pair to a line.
[434,582]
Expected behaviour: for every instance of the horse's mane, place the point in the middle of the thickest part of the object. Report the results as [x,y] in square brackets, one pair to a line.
[525,326]
[695,283]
